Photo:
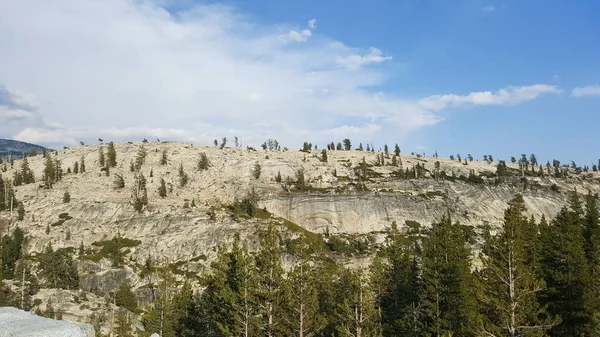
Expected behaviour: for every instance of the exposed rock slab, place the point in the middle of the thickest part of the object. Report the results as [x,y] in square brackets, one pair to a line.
[19,323]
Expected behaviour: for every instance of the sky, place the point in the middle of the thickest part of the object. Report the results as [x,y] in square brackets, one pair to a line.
[467,76]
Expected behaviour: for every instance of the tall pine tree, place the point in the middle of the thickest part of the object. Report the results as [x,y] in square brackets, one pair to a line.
[566,272]
[509,281]
[449,288]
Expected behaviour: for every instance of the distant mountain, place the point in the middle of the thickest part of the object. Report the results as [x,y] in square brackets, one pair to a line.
[17,148]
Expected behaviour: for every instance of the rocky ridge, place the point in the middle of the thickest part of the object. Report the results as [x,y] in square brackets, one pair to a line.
[338,200]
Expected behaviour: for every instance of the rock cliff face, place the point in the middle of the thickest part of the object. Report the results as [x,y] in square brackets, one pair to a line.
[421,201]
[347,194]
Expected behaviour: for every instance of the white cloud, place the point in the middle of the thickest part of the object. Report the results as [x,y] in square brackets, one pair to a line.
[297,36]
[127,70]
[312,24]
[17,99]
[9,114]
[356,61]
[489,9]
[508,96]
[590,90]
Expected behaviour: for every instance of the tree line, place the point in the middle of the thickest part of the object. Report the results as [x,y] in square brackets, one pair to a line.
[531,278]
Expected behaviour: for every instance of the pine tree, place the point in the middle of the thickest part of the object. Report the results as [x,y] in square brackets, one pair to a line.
[111,155]
[82,165]
[203,162]
[49,172]
[270,282]
[125,298]
[76,167]
[230,291]
[278,177]
[66,197]
[123,328]
[347,144]
[449,304]
[591,231]
[356,312]
[162,190]
[10,253]
[565,270]
[302,301]
[58,269]
[118,182]
[509,281]
[27,283]
[183,177]
[163,157]
[26,174]
[256,170]
[395,279]
[101,157]
[140,158]
[161,317]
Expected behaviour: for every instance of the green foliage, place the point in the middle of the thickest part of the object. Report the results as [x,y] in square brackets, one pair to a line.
[111,155]
[256,170]
[565,270]
[140,194]
[101,156]
[140,158]
[82,164]
[324,155]
[278,177]
[183,177]
[306,147]
[163,157]
[203,162]
[347,144]
[58,269]
[10,252]
[162,189]
[8,195]
[397,150]
[125,298]
[509,278]
[118,181]
[66,197]
[112,250]
[300,181]
[25,175]
[448,285]
[123,324]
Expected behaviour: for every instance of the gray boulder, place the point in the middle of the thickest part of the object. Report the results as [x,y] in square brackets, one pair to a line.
[18,323]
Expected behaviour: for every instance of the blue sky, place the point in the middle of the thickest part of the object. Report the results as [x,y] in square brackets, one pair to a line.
[473,76]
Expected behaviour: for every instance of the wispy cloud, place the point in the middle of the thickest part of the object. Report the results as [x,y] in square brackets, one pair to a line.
[489,9]
[127,70]
[297,36]
[16,105]
[508,96]
[356,61]
[590,90]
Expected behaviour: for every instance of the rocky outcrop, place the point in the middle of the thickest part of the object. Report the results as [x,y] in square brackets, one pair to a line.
[19,323]
[419,200]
